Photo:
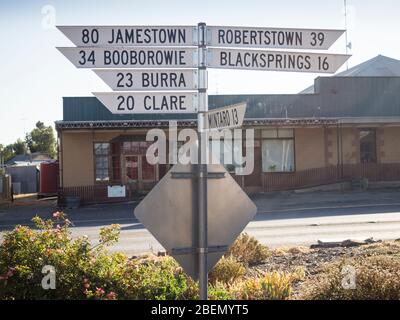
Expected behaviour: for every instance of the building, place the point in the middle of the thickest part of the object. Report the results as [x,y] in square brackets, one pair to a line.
[28,159]
[348,129]
[379,66]
[24,170]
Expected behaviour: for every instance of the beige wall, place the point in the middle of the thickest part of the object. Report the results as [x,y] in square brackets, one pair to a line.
[104,136]
[318,147]
[77,159]
[351,145]
[314,148]
[309,148]
[387,149]
[77,162]
[390,144]
[331,147]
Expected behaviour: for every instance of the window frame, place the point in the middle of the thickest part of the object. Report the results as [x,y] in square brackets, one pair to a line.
[231,168]
[293,138]
[375,147]
[115,154]
[108,156]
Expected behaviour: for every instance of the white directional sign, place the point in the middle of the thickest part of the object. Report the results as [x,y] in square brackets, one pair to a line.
[151,79]
[271,37]
[118,57]
[275,60]
[147,102]
[226,117]
[139,36]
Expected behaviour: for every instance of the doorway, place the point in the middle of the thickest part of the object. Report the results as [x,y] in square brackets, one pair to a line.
[138,173]
[368,146]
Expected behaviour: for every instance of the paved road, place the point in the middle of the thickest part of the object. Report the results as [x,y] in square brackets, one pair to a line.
[283,219]
[289,229]
[306,227]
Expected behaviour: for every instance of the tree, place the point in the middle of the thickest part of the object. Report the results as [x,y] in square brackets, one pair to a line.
[2,158]
[41,139]
[9,151]
[19,147]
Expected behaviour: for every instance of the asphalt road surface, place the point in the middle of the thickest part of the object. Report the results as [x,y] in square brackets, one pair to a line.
[289,228]
[291,225]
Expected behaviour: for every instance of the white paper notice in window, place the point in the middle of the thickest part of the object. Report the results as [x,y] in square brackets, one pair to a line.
[116,191]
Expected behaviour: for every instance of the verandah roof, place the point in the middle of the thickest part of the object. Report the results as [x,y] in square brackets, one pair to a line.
[335,98]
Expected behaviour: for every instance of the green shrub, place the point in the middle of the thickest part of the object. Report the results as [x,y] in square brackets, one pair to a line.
[83,270]
[88,271]
[160,280]
[227,270]
[24,252]
[248,250]
[376,278]
[219,291]
[271,286]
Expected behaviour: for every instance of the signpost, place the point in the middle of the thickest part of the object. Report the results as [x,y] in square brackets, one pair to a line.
[157,79]
[115,36]
[130,57]
[225,118]
[250,37]
[275,60]
[202,177]
[149,102]
[163,69]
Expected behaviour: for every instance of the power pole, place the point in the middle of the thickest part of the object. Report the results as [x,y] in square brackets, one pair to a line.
[348,45]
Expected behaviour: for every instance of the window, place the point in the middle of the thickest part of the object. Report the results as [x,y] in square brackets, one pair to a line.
[181,153]
[135,147]
[115,162]
[277,150]
[101,155]
[367,145]
[226,153]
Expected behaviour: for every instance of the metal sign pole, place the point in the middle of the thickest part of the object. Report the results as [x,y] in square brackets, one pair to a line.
[202,165]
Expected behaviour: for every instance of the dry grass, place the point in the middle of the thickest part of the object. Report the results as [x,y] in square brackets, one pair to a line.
[250,270]
[270,286]
[248,250]
[281,251]
[377,277]
[227,270]
[381,248]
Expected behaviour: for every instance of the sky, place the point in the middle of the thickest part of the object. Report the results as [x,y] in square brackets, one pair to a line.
[34,76]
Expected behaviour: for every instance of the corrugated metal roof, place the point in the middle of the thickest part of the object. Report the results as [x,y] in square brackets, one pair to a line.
[35,157]
[336,97]
[379,66]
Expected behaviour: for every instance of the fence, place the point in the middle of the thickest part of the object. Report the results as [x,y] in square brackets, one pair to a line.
[274,181]
[94,194]
[278,181]
[5,188]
